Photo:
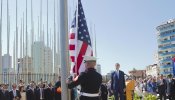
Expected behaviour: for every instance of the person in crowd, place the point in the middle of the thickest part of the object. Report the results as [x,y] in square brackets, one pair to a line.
[29,85]
[4,93]
[162,87]
[149,86]
[40,92]
[168,80]
[14,93]
[109,88]
[21,83]
[57,89]
[49,92]
[103,91]
[73,90]
[90,80]
[172,89]
[118,83]
[154,85]
[31,92]
[22,92]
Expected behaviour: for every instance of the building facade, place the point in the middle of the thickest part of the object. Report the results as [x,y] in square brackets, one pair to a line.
[6,63]
[48,60]
[137,73]
[6,66]
[98,68]
[38,57]
[166,46]
[42,58]
[156,58]
[25,65]
[153,70]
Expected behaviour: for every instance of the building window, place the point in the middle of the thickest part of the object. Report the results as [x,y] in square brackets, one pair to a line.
[165,70]
[169,63]
[174,30]
[171,69]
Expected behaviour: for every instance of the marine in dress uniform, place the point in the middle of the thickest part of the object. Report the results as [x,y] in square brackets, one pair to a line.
[89,81]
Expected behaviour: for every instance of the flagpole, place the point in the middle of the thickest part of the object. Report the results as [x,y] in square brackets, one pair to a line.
[58,37]
[38,30]
[76,36]
[41,38]
[1,46]
[21,48]
[16,69]
[27,45]
[54,45]
[95,42]
[32,23]
[47,27]
[7,29]
[64,47]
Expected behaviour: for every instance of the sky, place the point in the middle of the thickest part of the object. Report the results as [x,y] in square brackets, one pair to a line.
[125,29]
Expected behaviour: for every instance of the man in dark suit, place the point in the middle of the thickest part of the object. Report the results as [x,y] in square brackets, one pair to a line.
[172,89]
[40,92]
[49,92]
[162,87]
[14,93]
[90,81]
[118,83]
[4,93]
[31,92]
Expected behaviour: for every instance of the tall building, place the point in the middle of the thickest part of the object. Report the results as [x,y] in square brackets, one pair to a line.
[166,46]
[57,62]
[42,58]
[38,57]
[22,65]
[6,63]
[6,66]
[48,60]
[98,68]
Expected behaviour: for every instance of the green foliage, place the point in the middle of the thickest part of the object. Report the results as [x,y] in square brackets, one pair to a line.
[111,97]
[150,97]
[146,97]
[136,97]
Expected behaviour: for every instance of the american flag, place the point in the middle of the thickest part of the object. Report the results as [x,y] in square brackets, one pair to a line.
[79,41]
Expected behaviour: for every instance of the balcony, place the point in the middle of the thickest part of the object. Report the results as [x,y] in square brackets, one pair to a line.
[169,72]
[167,53]
[168,34]
[165,66]
[165,60]
[166,41]
[165,47]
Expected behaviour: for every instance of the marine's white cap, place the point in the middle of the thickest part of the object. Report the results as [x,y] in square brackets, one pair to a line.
[89,58]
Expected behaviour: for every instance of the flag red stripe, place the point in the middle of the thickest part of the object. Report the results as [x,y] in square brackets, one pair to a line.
[71,47]
[72,36]
[80,57]
[72,58]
